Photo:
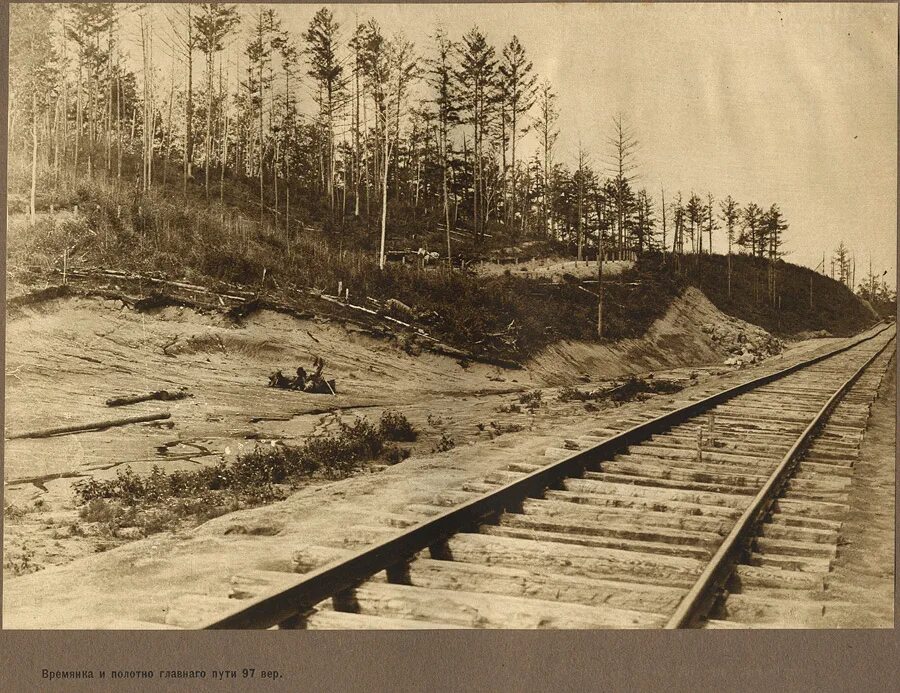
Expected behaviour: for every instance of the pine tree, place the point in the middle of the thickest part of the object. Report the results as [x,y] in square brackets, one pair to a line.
[31,68]
[545,125]
[476,74]
[731,216]
[322,40]
[445,99]
[519,92]
[623,145]
[213,24]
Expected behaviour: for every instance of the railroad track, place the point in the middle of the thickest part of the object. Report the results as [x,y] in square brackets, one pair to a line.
[658,526]
[783,579]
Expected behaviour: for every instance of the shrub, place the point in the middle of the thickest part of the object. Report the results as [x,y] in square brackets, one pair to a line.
[531,400]
[444,444]
[13,512]
[100,510]
[21,564]
[568,394]
[160,500]
[392,454]
[395,426]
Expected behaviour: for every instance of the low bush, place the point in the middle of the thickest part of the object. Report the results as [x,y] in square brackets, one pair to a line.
[531,400]
[393,454]
[395,426]
[161,500]
[13,512]
[444,444]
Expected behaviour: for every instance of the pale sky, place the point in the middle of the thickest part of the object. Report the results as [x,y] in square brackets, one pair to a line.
[794,104]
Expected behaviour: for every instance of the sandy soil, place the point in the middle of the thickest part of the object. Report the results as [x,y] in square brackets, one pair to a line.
[674,340]
[64,359]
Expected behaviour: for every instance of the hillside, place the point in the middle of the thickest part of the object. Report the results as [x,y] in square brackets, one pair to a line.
[834,307]
[163,233]
[176,233]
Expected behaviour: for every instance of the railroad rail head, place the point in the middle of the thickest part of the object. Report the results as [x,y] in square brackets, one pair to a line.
[288,607]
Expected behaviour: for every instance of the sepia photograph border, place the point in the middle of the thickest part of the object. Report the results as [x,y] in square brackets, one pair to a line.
[463,660]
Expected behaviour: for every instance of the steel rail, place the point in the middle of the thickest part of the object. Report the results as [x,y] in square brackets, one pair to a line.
[287,607]
[701,597]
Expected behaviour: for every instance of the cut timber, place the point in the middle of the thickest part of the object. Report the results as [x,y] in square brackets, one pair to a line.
[647,517]
[628,545]
[96,426]
[327,619]
[826,510]
[766,609]
[572,559]
[804,534]
[794,549]
[621,530]
[161,395]
[801,521]
[631,489]
[803,564]
[539,583]
[660,483]
[690,450]
[635,504]
[763,576]
[684,471]
[475,610]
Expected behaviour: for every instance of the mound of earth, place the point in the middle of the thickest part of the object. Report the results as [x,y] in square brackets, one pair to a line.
[692,333]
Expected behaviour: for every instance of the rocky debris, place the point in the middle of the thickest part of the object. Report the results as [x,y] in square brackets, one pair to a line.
[746,344]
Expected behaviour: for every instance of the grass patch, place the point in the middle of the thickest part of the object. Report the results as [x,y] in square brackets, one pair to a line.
[160,501]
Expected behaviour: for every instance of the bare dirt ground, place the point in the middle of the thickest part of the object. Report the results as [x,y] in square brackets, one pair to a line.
[863,572]
[65,358]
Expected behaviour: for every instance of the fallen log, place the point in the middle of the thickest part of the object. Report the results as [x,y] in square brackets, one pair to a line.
[96,426]
[247,308]
[161,395]
[116,274]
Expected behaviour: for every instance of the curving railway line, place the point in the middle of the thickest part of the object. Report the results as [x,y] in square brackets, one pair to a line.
[723,513]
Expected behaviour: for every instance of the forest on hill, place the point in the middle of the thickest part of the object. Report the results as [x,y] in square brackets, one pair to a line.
[208,141]
[358,130]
